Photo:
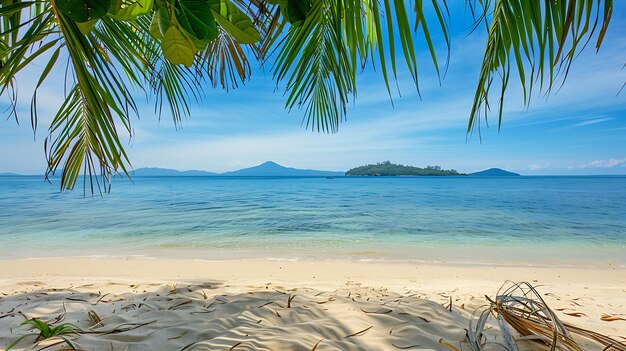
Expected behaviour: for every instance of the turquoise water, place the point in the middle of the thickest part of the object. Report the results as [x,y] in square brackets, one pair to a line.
[462,219]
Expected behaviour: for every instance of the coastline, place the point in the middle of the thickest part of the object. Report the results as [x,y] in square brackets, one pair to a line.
[547,256]
[585,293]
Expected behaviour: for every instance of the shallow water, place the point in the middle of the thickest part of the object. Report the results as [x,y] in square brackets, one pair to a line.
[553,220]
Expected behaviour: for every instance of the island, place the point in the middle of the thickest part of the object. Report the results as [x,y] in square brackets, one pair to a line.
[494,172]
[391,169]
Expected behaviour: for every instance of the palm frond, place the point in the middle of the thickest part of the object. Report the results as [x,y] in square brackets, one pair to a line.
[323,75]
[83,135]
[538,40]
[225,62]
[320,59]
[520,308]
[38,37]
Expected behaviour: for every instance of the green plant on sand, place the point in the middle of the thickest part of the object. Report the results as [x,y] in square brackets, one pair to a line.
[47,331]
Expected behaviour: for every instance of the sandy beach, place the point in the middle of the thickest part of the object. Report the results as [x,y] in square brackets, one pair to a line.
[178,304]
[304,175]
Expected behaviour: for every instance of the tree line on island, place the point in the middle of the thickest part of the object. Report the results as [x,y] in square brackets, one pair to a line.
[391,169]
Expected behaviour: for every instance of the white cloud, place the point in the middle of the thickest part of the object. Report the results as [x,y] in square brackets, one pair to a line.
[608,163]
[536,166]
[592,121]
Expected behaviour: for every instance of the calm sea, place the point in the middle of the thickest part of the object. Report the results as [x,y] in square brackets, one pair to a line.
[523,220]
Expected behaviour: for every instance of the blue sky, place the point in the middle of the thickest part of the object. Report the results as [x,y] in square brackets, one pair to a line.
[579,130]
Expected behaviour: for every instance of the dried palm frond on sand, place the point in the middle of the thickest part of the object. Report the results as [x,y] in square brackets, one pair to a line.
[520,306]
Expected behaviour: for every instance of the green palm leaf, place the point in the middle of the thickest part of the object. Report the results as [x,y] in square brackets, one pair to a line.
[320,71]
[225,62]
[539,40]
[319,59]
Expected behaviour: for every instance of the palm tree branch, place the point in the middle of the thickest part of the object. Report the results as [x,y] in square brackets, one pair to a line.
[541,37]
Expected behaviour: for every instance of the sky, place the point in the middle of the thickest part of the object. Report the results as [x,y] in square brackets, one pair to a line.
[579,130]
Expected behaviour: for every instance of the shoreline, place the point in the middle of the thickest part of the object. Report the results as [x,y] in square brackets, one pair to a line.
[145,266]
[461,257]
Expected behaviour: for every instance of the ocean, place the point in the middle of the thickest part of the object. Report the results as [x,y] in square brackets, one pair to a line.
[466,220]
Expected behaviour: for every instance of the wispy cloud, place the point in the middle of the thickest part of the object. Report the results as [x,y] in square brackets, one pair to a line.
[609,163]
[616,129]
[592,121]
[537,166]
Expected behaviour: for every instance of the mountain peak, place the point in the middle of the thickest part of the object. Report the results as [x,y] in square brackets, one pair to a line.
[271,163]
[495,172]
[271,168]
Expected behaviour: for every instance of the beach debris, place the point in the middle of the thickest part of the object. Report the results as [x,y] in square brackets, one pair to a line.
[8,314]
[233,347]
[575,314]
[173,291]
[330,299]
[519,306]
[317,343]
[289,299]
[405,347]
[611,318]
[359,333]
[180,303]
[101,298]
[190,345]
[95,319]
[401,323]
[122,328]
[380,310]
[448,345]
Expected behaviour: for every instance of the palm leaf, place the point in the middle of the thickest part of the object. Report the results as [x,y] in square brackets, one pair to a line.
[538,39]
[319,59]
[87,138]
[323,75]
[225,62]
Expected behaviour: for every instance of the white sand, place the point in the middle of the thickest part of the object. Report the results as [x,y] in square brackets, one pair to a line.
[215,305]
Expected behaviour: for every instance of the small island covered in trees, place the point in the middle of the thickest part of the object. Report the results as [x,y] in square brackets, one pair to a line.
[390,169]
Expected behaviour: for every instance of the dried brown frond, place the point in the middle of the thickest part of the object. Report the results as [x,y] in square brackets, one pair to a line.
[521,307]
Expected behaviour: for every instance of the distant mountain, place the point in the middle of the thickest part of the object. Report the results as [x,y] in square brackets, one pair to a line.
[9,175]
[268,168]
[494,172]
[273,169]
[390,169]
[166,172]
